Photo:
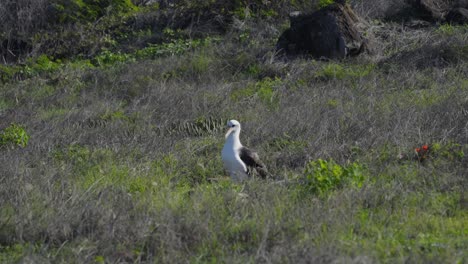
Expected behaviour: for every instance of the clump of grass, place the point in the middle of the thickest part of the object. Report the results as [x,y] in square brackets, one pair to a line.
[265,90]
[13,253]
[450,150]
[7,73]
[450,30]
[338,71]
[324,3]
[14,135]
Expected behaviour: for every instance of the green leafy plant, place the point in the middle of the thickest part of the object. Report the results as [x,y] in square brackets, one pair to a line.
[175,47]
[33,67]
[450,150]
[100,259]
[14,135]
[323,176]
[44,63]
[107,58]
[324,3]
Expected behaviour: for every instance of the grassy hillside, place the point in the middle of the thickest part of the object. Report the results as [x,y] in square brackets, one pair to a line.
[110,143]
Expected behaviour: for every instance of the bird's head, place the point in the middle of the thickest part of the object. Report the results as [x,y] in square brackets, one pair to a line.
[232,125]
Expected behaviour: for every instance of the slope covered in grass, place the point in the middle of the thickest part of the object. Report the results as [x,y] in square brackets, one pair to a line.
[115,156]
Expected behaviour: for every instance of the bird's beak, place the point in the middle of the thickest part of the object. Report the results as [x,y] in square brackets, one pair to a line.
[230,129]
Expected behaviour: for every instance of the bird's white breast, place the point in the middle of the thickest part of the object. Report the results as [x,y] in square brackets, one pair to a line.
[232,162]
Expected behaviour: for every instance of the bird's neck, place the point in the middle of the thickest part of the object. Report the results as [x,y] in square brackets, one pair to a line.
[233,139]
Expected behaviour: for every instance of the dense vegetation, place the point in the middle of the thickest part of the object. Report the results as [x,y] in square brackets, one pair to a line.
[111,125]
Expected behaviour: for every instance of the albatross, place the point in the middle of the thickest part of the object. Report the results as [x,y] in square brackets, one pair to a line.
[239,160]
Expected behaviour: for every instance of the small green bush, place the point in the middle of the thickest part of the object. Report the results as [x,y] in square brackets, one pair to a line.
[324,3]
[33,67]
[265,90]
[332,70]
[39,65]
[14,135]
[100,259]
[450,150]
[11,254]
[198,64]
[44,63]
[323,176]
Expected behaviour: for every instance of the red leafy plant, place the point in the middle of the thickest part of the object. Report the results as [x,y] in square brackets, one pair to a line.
[422,153]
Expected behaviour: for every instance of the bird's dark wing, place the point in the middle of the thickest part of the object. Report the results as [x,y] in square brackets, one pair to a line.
[251,159]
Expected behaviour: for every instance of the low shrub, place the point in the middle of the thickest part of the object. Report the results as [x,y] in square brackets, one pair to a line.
[323,176]
[175,47]
[107,58]
[14,135]
[72,11]
[324,3]
[8,73]
[265,90]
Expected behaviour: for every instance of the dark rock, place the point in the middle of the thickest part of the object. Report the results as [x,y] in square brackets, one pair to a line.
[457,15]
[462,4]
[13,49]
[432,9]
[454,11]
[330,33]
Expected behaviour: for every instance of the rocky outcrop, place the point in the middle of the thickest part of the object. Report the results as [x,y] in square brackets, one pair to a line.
[452,11]
[13,49]
[331,32]
[457,16]
[431,9]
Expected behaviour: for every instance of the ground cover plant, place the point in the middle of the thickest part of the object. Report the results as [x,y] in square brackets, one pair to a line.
[113,155]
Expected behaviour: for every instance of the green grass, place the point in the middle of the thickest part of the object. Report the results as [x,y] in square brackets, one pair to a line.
[333,70]
[423,224]
[265,90]
[11,253]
